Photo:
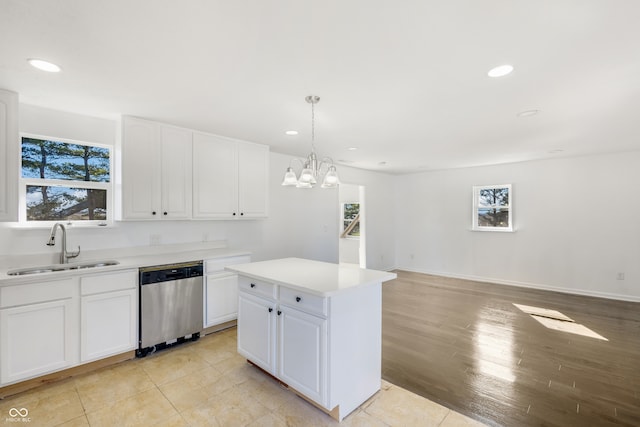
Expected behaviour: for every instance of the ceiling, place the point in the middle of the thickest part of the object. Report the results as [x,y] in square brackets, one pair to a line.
[403,82]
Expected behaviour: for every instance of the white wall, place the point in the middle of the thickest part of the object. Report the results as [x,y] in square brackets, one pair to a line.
[576,223]
[301,223]
[576,219]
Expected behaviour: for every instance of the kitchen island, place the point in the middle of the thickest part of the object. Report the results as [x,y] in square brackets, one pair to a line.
[315,326]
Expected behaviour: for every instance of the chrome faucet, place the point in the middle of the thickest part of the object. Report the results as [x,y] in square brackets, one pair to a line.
[64,255]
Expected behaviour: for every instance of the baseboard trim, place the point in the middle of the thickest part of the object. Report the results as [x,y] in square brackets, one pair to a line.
[25,385]
[530,285]
[220,327]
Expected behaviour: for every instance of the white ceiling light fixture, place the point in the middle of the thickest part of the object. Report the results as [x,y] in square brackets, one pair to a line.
[44,65]
[500,71]
[312,167]
[291,132]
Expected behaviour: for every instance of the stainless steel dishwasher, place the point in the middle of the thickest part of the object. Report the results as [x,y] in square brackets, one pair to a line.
[170,305]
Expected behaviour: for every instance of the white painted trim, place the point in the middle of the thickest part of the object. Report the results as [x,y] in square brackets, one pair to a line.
[538,286]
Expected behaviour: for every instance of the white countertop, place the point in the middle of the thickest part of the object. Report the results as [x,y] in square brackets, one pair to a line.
[168,255]
[319,278]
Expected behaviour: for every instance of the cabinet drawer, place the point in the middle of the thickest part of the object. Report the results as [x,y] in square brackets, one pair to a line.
[218,264]
[109,282]
[11,296]
[257,287]
[303,301]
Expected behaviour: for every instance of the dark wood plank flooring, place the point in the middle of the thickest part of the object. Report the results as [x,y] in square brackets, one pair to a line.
[465,345]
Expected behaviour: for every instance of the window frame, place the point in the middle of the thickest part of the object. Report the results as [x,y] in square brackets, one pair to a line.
[476,196]
[86,185]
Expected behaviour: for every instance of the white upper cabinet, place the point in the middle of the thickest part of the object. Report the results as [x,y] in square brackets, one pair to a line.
[215,186]
[253,180]
[9,142]
[176,172]
[230,178]
[156,170]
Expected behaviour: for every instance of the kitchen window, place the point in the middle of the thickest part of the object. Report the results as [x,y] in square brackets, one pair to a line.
[64,181]
[492,208]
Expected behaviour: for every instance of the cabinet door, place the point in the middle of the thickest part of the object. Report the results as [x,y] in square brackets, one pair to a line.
[9,142]
[253,180]
[221,299]
[176,173]
[108,324]
[302,358]
[215,177]
[256,331]
[141,169]
[38,339]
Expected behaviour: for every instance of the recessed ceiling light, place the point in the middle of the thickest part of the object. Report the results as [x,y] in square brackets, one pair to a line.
[500,71]
[528,113]
[352,148]
[43,65]
[291,132]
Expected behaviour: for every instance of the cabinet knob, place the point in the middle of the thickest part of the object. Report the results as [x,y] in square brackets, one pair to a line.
[234,214]
[279,312]
[253,285]
[270,309]
[298,299]
[241,213]
[164,213]
[153,213]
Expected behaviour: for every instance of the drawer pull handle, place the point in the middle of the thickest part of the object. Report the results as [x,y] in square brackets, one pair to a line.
[270,309]
[279,312]
[298,299]
[253,285]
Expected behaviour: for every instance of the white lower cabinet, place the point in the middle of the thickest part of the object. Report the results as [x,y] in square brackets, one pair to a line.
[221,290]
[50,326]
[38,329]
[327,349]
[257,331]
[109,307]
[302,343]
[221,299]
[286,342]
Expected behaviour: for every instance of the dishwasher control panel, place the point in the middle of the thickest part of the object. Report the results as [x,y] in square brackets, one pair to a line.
[165,273]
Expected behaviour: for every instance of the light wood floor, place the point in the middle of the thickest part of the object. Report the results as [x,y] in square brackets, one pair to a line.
[465,345]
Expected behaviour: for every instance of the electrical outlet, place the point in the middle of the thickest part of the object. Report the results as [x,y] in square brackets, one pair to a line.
[620,276]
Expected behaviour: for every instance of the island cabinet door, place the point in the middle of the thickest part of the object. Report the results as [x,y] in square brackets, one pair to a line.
[257,331]
[302,353]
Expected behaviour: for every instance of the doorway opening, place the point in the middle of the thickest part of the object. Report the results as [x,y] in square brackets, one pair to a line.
[352,225]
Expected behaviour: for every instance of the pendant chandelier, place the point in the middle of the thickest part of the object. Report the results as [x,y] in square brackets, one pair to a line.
[312,168]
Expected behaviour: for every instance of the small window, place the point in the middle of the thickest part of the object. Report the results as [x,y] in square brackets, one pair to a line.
[350,220]
[492,208]
[64,181]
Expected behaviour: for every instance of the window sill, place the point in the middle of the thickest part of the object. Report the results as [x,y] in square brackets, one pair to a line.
[48,224]
[498,230]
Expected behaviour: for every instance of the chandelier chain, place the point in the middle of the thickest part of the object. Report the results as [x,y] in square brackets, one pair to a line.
[313,127]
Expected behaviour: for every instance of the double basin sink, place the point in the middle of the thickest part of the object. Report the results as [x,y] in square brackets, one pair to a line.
[60,267]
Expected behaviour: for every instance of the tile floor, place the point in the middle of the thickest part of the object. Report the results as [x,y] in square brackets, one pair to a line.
[205,383]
